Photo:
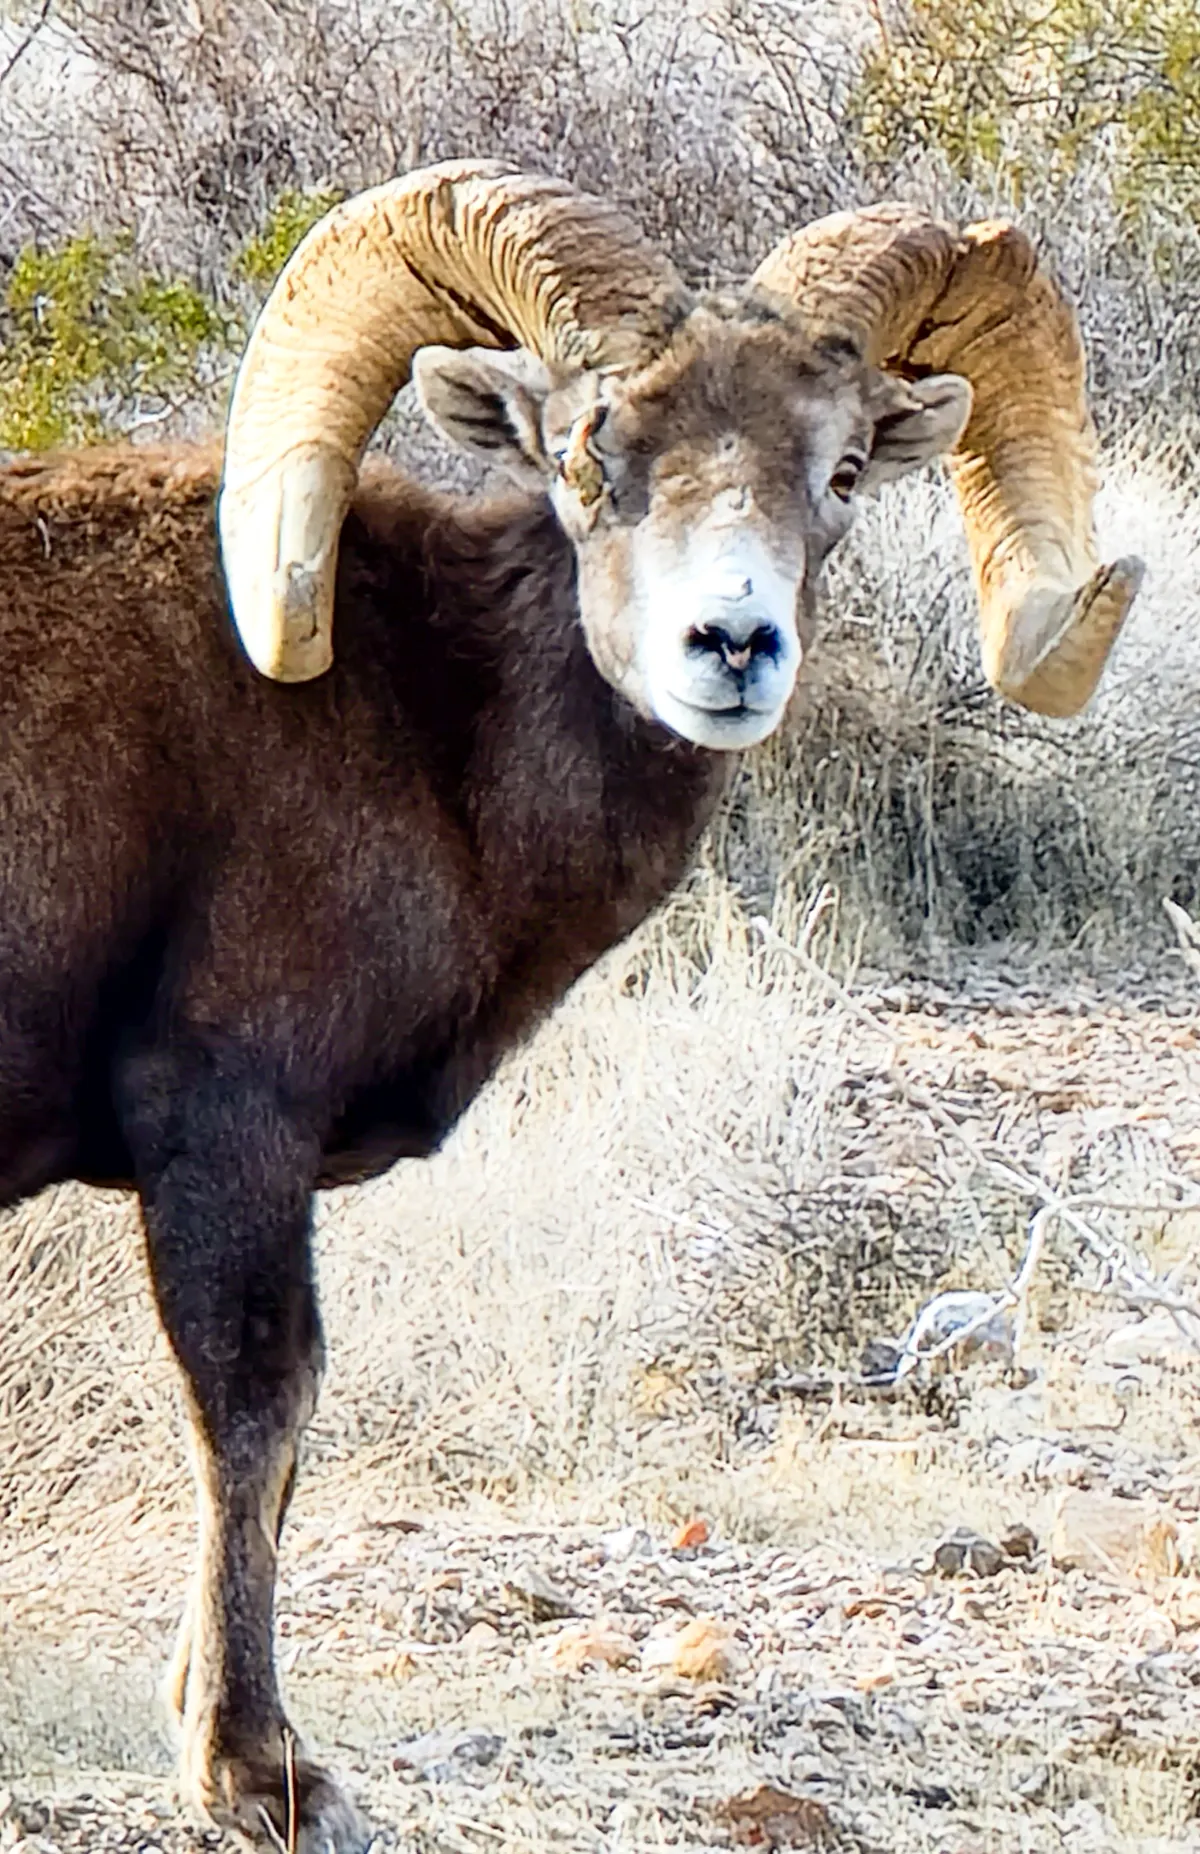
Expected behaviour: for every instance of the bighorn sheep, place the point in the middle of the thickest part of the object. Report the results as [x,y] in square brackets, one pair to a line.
[259,938]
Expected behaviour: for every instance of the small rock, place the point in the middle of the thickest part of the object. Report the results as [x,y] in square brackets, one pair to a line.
[480,1637]
[1153,1631]
[769,1817]
[1065,1466]
[1098,1532]
[704,1649]
[965,1550]
[1035,1459]
[544,1600]
[931,1795]
[950,1557]
[1094,1730]
[473,1751]
[869,1606]
[1020,1541]
[984,1558]
[1023,1457]
[629,1542]
[1034,1785]
[595,1644]
[445,1757]
[971,1608]
[691,1536]
[1156,1340]
[880,1361]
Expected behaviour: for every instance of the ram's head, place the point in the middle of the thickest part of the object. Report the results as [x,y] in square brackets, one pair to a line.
[702,455]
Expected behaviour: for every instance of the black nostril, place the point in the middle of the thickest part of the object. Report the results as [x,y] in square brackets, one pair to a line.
[737,653]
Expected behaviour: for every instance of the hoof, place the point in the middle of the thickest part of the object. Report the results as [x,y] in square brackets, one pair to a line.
[329,1824]
[298,1809]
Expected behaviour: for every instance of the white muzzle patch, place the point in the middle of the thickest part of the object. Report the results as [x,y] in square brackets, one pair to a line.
[719,648]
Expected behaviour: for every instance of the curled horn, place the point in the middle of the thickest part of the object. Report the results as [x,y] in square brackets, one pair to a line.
[919,298]
[462,254]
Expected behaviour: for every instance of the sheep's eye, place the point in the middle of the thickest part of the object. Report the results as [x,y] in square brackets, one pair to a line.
[845,478]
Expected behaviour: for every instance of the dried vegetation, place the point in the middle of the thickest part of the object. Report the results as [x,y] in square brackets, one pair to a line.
[654,1274]
[653,1278]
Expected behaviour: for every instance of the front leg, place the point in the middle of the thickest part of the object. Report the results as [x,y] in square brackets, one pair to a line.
[225,1176]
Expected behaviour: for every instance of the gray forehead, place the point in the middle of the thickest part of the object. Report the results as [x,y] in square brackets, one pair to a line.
[819,421]
[831,416]
[831,426]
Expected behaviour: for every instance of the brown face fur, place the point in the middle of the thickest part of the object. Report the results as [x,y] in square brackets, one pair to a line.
[741,420]
[702,495]
[732,402]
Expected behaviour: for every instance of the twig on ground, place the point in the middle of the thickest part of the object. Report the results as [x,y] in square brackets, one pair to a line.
[272,1833]
[289,1776]
[288,1842]
[1112,1252]
[1011,1298]
[915,1352]
[1187,932]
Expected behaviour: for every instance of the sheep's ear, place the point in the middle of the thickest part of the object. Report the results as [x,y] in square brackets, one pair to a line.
[917,420]
[488,401]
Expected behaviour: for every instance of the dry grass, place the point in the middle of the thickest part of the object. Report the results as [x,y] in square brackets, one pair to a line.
[669,1200]
[944,816]
[705,1186]
[682,1118]
[603,1304]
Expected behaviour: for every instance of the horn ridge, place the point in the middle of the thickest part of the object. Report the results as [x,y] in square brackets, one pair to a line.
[466,253]
[919,296]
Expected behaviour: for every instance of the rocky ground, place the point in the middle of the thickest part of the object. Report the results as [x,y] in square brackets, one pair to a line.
[570,1689]
[955,1614]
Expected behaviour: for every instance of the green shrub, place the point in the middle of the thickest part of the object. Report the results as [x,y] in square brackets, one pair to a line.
[88,336]
[264,256]
[1024,86]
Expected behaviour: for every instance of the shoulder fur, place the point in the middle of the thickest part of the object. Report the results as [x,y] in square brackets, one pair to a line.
[72,507]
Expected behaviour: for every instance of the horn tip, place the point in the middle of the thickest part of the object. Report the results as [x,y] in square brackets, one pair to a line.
[1066,674]
[1128,573]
